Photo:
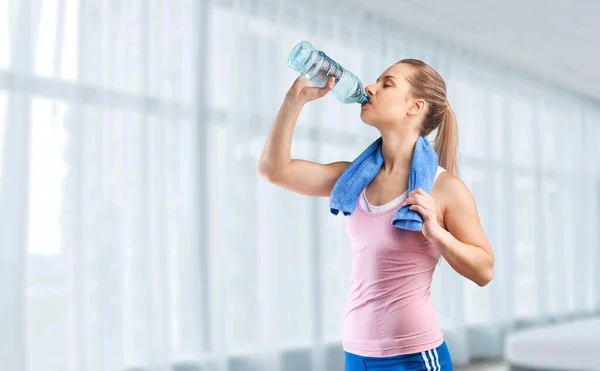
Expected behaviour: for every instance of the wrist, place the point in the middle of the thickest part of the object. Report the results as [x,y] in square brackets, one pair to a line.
[440,238]
[294,99]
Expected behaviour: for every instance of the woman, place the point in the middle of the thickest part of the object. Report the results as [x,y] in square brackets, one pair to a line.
[390,322]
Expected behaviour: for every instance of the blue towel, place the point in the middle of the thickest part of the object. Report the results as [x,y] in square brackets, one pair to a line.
[365,167]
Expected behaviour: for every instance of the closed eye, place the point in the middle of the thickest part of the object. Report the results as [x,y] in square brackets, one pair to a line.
[386,78]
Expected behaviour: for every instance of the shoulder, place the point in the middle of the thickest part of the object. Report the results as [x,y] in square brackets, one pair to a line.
[451,191]
[448,183]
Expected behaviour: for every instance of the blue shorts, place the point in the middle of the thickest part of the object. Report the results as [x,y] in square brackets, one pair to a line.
[431,360]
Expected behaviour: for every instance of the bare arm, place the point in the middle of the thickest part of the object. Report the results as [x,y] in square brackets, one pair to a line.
[464,245]
[276,165]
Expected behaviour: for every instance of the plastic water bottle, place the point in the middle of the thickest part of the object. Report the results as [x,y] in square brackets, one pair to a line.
[318,67]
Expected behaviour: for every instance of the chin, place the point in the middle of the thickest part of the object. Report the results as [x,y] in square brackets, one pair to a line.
[366,119]
[369,120]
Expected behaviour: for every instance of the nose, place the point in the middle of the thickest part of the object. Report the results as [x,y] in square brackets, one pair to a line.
[370,90]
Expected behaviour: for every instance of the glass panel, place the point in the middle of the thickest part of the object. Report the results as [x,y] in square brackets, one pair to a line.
[221,62]
[565,148]
[123,35]
[3,114]
[525,274]
[547,123]
[5,34]
[469,103]
[554,263]
[292,227]
[47,318]
[521,121]
[62,22]
[477,301]
[567,219]
[46,177]
[263,262]
[503,246]
[497,117]
[70,35]
[593,240]
[45,52]
[48,313]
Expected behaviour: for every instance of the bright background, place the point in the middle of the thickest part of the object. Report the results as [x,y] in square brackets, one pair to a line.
[135,233]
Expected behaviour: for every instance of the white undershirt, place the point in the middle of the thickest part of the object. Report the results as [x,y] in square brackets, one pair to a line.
[393,203]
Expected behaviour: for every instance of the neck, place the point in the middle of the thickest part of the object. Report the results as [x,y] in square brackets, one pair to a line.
[397,150]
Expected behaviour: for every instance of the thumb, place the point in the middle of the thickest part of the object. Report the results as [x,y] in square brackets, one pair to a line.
[328,86]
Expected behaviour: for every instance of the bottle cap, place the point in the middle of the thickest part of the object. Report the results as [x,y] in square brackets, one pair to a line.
[299,55]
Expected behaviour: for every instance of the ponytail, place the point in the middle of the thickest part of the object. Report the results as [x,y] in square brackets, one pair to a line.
[446,142]
[426,83]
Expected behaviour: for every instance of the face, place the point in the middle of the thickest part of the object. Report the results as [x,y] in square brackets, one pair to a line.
[390,100]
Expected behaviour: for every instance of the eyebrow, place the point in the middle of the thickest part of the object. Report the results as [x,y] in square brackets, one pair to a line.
[386,77]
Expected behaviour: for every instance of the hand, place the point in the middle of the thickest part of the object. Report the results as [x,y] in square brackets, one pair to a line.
[424,204]
[305,91]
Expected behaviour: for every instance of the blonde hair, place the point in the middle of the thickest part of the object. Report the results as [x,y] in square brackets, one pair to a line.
[427,84]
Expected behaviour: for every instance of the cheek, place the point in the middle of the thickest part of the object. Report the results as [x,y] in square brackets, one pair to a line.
[392,110]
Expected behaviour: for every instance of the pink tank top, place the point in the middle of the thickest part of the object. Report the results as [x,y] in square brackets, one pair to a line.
[389,309]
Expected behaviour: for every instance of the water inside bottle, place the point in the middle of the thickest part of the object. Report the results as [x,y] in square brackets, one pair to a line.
[318,67]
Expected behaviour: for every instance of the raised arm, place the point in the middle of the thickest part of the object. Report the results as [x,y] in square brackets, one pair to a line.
[300,176]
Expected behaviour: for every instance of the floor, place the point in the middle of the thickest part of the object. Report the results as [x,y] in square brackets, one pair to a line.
[484,366]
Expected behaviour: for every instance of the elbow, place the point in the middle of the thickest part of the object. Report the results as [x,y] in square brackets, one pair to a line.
[268,172]
[485,279]
[485,276]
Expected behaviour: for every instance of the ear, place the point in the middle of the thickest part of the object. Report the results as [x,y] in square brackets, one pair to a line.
[418,105]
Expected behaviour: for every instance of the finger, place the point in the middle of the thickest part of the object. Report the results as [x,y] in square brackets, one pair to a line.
[423,197]
[425,214]
[427,199]
[319,92]
[328,86]
[412,199]
[419,200]
[419,191]
[330,83]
